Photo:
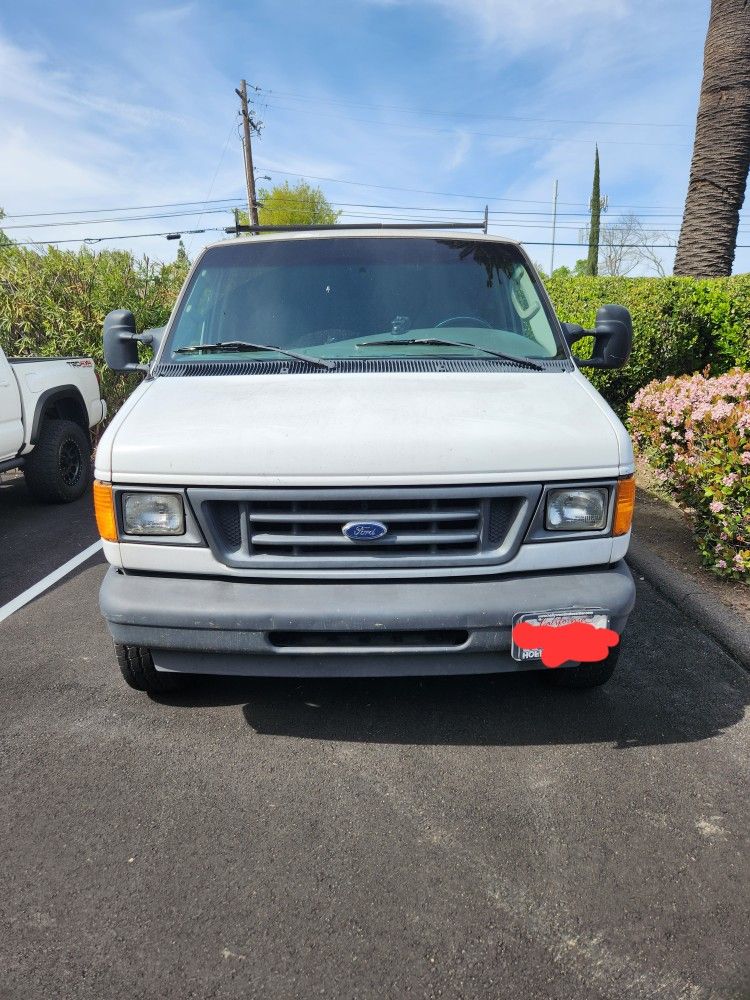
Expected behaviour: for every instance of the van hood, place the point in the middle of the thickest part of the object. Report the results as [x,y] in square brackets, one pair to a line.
[341,429]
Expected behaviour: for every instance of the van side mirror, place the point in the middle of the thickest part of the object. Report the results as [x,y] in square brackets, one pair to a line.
[613,338]
[121,342]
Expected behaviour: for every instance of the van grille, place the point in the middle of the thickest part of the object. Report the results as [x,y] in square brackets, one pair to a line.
[287,529]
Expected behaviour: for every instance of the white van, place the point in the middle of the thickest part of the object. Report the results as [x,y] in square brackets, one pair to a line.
[362,452]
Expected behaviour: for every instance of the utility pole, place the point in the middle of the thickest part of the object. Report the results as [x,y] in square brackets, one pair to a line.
[554,229]
[252,201]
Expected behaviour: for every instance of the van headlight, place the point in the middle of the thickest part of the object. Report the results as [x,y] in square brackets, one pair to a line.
[153,514]
[576,510]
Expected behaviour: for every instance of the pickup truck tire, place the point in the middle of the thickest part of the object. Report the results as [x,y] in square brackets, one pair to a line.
[587,675]
[138,670]
[58,470]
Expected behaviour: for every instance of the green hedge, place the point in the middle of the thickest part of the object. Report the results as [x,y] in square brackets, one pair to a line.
[680,325]
[55,303]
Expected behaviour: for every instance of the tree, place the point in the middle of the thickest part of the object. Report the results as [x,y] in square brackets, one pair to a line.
[623,246]
[287,205]
[596,215]
[721,150]
[182,258]
[627,243]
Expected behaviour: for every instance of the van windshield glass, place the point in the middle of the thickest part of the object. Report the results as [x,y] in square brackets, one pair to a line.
[362,297]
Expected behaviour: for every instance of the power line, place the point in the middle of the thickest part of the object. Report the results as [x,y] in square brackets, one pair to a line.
[216,174]
[272,94]
[228,204]
[232,200]
[119,218]
[90,240]
[125,208]
[518,218]
[411,127]
[404,212]
[505,218]
[188,232]
[452,194]
[292,200]
[433,210]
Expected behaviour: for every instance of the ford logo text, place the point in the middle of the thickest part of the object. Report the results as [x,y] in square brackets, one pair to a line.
[364,531]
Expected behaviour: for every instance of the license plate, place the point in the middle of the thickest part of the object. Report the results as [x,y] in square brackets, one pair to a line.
[554,619]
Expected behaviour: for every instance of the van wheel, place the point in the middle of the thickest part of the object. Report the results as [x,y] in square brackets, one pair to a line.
[138,670]
[587,675]
[58,470]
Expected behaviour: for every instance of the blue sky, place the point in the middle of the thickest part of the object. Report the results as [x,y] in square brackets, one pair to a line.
[398,103]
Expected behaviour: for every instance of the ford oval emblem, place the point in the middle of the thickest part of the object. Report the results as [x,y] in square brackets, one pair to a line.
[364,531]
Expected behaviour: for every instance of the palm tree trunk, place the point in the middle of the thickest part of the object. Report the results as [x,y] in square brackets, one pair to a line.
[721,152]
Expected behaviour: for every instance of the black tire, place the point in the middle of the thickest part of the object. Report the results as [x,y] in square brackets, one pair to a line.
[58,470]
[138,670]
[587,675]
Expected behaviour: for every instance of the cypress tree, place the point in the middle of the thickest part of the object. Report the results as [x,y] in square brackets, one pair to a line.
[596,214]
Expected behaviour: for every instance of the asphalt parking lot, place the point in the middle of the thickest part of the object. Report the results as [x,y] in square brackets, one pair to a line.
[458,838]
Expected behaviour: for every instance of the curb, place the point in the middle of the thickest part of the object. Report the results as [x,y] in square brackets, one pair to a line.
[711,614]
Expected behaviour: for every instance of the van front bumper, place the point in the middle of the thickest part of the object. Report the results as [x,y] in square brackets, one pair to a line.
[331,628]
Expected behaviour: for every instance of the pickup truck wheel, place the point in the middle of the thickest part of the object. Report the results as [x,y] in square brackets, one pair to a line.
[587,675]
[58,470]
[138,670]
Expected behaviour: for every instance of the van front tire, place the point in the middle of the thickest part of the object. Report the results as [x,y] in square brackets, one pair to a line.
[138,671]
[587,675]
[58,470]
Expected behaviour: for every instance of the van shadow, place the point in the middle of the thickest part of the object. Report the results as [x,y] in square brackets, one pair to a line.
[640,707]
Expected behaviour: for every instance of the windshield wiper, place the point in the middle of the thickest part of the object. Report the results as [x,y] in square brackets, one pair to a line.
[438,342]
[238,346]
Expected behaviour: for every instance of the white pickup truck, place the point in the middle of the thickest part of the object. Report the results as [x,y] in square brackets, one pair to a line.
[47,408]
[365,453]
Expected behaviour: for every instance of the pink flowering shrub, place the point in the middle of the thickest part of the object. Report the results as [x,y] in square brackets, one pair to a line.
[695,432]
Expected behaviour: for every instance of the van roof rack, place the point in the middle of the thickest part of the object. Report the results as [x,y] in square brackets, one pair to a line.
[242,228]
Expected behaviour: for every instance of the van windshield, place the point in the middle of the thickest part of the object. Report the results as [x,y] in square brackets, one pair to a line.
[362,297]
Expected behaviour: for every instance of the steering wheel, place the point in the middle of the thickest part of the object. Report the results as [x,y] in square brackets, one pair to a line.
[473,321]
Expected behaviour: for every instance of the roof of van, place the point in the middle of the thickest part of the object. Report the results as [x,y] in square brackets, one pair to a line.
[343,233]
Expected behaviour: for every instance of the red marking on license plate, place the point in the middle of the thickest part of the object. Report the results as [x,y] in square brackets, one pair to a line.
[578,641]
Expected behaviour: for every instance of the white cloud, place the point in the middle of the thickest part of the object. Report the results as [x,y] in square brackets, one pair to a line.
[22,74]
[165,16]
[459,150]
[523,23]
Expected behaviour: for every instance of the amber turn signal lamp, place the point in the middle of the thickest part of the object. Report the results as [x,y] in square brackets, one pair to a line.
[104,509]
[624,505]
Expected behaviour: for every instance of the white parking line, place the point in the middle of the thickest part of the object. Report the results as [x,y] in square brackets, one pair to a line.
[57,574]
